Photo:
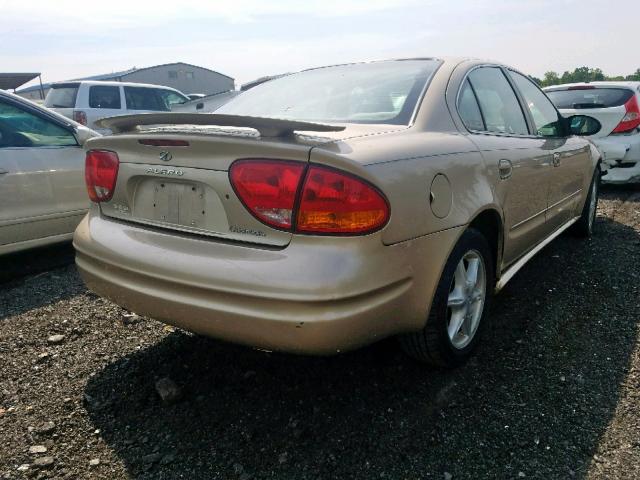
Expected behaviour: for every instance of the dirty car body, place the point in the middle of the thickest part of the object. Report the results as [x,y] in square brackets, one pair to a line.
[318,212]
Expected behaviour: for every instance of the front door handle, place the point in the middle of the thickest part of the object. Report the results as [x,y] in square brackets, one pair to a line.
[2,172]
[556,159]
[505,168]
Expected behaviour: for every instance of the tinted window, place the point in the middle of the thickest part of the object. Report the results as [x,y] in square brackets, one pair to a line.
[19,128]
[590,97]
[104,97]
[170,98]
[468,108]
[377,92]
[154,99]
[545,116]
[61,97]
[500,108]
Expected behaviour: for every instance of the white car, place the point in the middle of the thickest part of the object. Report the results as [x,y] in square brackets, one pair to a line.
[617,106]
[88,101]
[42,189]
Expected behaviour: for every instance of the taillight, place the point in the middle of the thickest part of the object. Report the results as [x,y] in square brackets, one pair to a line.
[339,203]
[100,173]
[80,117]
[631,119]
[268,189]
[315,199]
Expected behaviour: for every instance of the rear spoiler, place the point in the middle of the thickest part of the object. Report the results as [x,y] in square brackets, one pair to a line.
[267,127]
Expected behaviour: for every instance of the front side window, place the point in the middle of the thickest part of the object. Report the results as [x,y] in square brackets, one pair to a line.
[19,128]
[545,116]
[170,98]
[378,92]
[102,96]
[499,105]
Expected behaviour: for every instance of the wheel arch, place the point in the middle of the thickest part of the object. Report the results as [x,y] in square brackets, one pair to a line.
[490,223]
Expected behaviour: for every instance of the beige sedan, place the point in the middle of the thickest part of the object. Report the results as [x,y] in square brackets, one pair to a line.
[42,190]
[334,207]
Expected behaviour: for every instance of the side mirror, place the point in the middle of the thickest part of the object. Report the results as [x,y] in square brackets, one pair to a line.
[83,134]
[583,125]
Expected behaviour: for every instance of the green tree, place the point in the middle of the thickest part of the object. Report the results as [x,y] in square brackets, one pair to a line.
[634,76]
[550,78]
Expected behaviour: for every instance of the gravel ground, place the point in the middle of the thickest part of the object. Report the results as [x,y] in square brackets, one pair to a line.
[554,391]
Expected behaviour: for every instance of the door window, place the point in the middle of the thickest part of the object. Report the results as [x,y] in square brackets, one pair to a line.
[545,116]
[468,108]
[19,128]
[499,105]
[104,97]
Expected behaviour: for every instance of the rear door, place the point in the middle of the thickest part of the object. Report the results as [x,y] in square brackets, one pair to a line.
[42,189]
[570,157]
[103,101]
[492,113]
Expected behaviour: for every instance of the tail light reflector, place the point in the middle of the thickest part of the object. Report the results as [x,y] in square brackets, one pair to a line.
[333,202]
[317,200]
[268,189]
[631,119]
[101,172]
[80,117]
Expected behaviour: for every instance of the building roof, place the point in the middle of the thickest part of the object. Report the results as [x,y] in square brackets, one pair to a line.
[117,75]
[11,81]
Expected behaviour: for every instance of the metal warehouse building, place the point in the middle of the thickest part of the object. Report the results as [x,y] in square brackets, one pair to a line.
[182,76]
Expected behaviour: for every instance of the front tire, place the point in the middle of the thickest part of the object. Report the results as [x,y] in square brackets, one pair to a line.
[459,306]
[584,226]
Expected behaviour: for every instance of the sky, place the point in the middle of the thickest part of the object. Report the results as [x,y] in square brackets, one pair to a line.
[247,39]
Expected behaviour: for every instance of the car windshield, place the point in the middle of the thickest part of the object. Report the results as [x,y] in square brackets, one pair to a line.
[590,97]
[377,92]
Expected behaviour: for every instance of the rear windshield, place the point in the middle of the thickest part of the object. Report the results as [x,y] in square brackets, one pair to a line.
[61,97]
[590,97]
[378,92]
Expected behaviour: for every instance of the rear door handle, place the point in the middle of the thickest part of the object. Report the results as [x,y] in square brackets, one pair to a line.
[556,159]
[505,168]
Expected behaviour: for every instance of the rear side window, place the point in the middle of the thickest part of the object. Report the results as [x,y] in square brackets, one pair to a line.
[468,108]
[104,97]
[61,97]
[545,116]
[140,98]
[590,97]
[498,102]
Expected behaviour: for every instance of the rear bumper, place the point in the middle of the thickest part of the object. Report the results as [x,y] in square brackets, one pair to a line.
[316,296]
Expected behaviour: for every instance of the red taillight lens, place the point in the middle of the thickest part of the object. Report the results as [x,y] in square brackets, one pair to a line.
[333,202]
[268,189]
[80,117]
[631,119]
[100,173]
[330,201]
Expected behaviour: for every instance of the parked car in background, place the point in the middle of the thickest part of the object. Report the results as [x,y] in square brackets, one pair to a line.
[42,189]
[206,104]
[88,101]
[617,106]
[370,200]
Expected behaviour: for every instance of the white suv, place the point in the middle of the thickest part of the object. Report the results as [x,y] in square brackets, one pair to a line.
[88,101]
[617,106]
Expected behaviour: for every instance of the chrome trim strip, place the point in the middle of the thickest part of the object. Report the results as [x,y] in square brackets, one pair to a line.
[545,210]
[513,269]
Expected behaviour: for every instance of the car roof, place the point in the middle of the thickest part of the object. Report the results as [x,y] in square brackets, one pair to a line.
[113,83]
[631,85]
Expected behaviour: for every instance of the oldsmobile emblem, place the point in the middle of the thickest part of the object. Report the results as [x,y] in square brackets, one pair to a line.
[165,156]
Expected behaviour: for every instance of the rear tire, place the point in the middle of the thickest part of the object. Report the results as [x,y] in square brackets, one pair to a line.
[459,306]
[584,227]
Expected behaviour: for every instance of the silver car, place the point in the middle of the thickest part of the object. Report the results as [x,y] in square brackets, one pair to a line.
[42,190]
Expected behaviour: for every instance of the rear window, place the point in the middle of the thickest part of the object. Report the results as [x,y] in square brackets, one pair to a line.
[61,97]
[104,97]
[590,97]
[378,92]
